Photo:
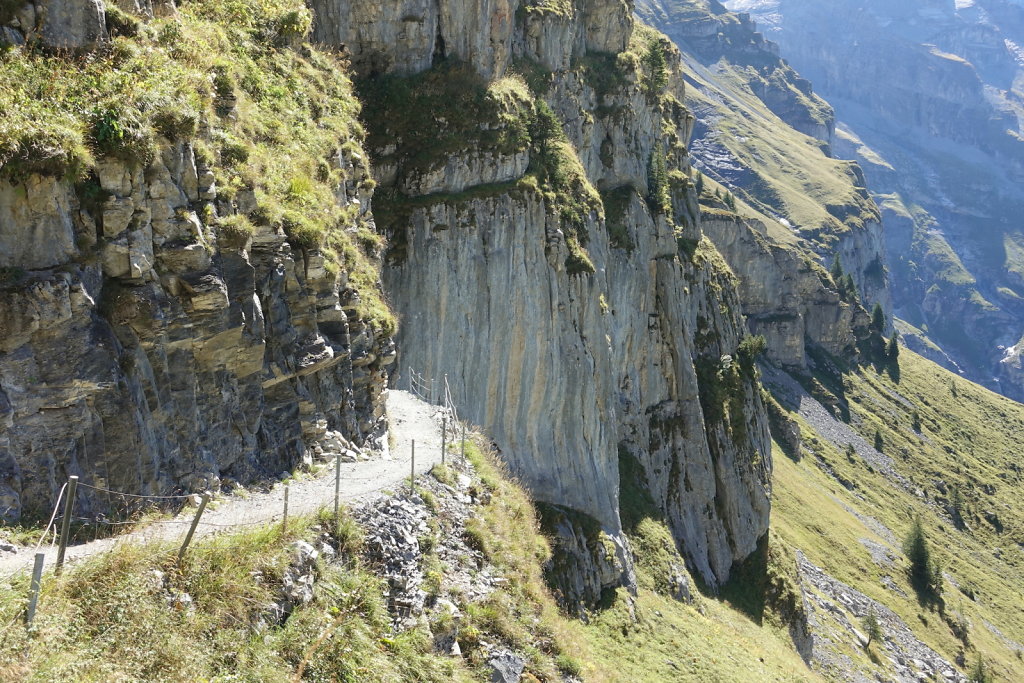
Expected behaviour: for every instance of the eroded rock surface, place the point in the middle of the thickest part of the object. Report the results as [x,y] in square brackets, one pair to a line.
[564,368]
[141,355]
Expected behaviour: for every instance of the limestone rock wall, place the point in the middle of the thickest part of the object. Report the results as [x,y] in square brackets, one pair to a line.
[566,370]
[142,355]
[785,295]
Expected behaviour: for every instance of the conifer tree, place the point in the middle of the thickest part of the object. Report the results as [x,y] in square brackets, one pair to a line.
[925,573]
[656,67]
[848,289]
[892,349]
[980,672]
[872,629]
[658,196]
[837,270]
[877,318]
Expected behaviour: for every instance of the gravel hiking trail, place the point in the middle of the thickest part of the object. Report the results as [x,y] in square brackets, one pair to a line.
[409,419]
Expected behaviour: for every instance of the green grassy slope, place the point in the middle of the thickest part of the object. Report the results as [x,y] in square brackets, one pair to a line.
[133,615]
[270,115]
[785,173]
[969,441]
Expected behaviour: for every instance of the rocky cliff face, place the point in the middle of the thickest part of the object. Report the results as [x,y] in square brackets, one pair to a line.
[410,36]
[147,347]
[144,355]
[786,296]
[202,310]
[760,132]
[575,327]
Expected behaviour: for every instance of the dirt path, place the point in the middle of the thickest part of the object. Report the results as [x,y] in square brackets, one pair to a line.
[409,419]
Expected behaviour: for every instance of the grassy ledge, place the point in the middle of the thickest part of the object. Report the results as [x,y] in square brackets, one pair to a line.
[272,117]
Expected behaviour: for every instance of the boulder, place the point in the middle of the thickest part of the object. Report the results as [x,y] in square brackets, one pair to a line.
[72,24]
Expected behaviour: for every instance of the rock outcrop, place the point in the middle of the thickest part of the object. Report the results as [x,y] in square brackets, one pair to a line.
[787,297]
[143,355]
[159,331]
[149,348]
[410,36]
[573,334]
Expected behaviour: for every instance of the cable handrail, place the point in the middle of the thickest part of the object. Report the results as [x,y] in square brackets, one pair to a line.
[132,495]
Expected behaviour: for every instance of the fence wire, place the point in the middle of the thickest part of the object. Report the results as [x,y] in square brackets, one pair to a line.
[131,518]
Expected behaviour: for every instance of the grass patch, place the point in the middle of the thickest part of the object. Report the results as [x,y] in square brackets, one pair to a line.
[961,453]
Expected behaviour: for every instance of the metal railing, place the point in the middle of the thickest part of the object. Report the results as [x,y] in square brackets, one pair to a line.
[421,386]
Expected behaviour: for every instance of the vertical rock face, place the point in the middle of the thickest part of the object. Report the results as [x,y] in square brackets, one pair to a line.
[408,36]
[569,366]
[71,24]
[141,355]
[147,352]
[562,380]
[785,295]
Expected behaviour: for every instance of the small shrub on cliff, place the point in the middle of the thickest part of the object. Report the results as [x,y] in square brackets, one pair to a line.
[750,349]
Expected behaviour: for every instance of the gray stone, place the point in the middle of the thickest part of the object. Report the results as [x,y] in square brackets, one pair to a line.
[11,37]
[72,24]
[506,667]
[117,215]
[36,223]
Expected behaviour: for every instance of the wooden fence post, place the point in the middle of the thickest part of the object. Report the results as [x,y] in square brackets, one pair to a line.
[412,476]
[284,520]
[65,526]
[33,591]
[444,436]
[195,523]
[337,489]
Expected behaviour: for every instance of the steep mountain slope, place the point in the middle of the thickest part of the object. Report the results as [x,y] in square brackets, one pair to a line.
[190,288]
[877,452]
[805,205]
[854,563]
[196,288]
[928,96]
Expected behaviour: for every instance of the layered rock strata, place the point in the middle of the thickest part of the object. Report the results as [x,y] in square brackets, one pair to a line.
[568,358]
[148,349]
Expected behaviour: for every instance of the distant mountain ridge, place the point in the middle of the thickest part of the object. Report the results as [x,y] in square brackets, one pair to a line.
[929,100]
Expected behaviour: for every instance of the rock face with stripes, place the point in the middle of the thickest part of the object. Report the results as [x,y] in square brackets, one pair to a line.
[571,367]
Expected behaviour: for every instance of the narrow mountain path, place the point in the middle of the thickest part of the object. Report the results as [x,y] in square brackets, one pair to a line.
[409,419]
